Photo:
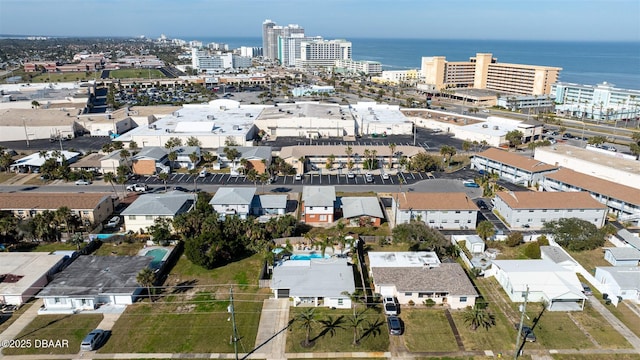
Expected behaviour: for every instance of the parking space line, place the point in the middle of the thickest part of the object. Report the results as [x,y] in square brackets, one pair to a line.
[420,174]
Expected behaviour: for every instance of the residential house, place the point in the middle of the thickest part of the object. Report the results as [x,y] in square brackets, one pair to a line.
[449,211]
[90,163]
[622,256]
[511,167]
[318,203]
[233,201]
[361,211]
[184,155]
[91,208]
[317,282]
[525,209]
[257,157]
[23,274]
[540,281]
[91,281]
[151,160]
[622,282]
[415,277]
[144,211]
[628,238]
[33,162]
[269,205]
[622,201]
[112,161]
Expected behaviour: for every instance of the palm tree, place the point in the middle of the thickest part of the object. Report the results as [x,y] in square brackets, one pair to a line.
[447,151]
[485,230]
[349,152]
[146,278]
[264,179]
[252,175]
[477,317]
[173,156]
[326,243]
[124,155]
[392,147]
[355,322]
[63,216]
[164,177]
[307,319]
[111,178]
[133,146]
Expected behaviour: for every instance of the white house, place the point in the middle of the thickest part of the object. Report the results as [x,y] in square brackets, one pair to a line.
[473,243]
[418,276]
[621,282]
[451,211]
[233,201]
[622,256]
[269,205]
[559,256]
[36,160]
[23,274]
[143,212]
[526,209]
[318,203]
[545,281]
[91,281]
[511,167]
[317,282]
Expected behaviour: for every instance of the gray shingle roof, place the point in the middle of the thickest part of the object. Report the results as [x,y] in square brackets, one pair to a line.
[319,195]
[448,277]
[233,196]
[361,206]
[624,253]
[170,204]
[270,201]
[249,152]
[95,275]
[151,152]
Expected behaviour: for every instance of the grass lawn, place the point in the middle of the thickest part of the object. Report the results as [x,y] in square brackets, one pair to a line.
[601,331]
[123,248]
[375,340]
[195,312]
[10,320]
[589,259]
[50,247]
[595,357]
[427,330]
[56,327]
[499,338]
[5,176]
[136,74]
[65,77]
[622,312]
[555,330]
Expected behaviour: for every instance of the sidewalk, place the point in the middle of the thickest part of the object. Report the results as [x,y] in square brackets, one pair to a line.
[11,333]
[615,323]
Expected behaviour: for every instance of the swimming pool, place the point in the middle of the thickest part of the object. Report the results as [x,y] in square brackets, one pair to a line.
[158,255]
[308,256]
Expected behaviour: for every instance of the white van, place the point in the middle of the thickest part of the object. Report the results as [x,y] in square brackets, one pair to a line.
[203,173]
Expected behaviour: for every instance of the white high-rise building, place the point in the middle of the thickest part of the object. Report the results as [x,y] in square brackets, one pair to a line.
[363,66]
[289,48]
[270,34]
[323,53]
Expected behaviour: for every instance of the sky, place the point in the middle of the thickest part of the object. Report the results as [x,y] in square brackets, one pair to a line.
[574,20]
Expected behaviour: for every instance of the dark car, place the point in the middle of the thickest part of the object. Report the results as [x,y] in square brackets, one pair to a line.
[180,188]
[395,327]
[528,335]
[482,205]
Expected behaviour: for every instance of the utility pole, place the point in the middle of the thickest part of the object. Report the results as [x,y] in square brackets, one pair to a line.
[415,130]
[233,321]
[524,308]
[26,134]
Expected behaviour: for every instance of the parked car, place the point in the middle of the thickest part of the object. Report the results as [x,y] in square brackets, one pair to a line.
[180,188]
[586,289]
[93,340]
[368,178]
[113,222]
[385,176]
[203,173]
[298,177]
[390,306]
[137,187]
[470,183]
[395,327]
[528,335]
[351,175]
[482,205]
[83,182]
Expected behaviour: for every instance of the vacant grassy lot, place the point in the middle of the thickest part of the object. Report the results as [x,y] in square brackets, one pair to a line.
[591,258]
[56,327]
[500,337]
[622,312]
[136,74]
[374,337]
[108,248]
[5,176]
[192,307]
[65,77]
[54,246]
[600,330]
[427,330]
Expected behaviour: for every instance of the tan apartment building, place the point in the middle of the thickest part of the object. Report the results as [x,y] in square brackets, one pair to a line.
[89,207]
[484,72]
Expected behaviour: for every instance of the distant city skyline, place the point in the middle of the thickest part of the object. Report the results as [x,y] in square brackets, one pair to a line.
[566,20]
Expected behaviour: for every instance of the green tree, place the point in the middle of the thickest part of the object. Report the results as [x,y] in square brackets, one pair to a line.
[355,322]
[514,137]
[424,162]
[448,152]
[392,149]
[477,317]
[485,230]
[160,230]
[307,320]
[194,141]
[514,239]
[576,234]
[164,177]
[596,140]
[420,237]
[146,278]
[172,156]
[111,178]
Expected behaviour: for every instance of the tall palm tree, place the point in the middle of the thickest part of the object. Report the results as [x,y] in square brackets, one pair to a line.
[63,216]
[326,243]
[392,147]
[146,278]
[349,152]
[355,322]
[173,156]
[124,155]
[111,178]
[264,179]
[447,151]
[133,146]
[307,319]
[164,177]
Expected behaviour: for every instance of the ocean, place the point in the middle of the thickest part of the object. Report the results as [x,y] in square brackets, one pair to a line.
[587,63]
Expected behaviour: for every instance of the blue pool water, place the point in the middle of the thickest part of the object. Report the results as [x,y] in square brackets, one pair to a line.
[158,255]
[308,257]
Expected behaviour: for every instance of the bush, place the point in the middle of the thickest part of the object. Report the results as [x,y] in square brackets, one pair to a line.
[429,302]
[532,250]
[514,239]
[543,241]
[411,303]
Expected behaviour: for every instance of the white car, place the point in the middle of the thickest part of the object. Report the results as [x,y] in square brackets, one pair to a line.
[368,178]
[113,222]
[298,177]
[203,173]
[385,176]
[83,182]
[351,175]
[137,187]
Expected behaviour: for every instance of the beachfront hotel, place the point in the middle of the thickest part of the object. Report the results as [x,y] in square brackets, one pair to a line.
[596,102]
[484,72]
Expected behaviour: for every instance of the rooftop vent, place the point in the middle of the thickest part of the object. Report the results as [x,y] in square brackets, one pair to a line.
[211,117]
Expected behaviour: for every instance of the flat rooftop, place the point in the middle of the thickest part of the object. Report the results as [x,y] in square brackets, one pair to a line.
[610,159]
[383,113]
[38,117]
[305,109]
[403,259]
[31,266]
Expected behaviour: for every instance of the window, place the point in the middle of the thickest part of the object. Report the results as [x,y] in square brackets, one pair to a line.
[432,221]
[408,294]
[444,221]
[310,207]
[457,221]
[468,221]
[556,210]
[148,217]
[326,208]
[581,210]
[132,217]
[323,217]
[530,211]
[569,210]
[544,210]
[340,301]
[457,212]
[463,299]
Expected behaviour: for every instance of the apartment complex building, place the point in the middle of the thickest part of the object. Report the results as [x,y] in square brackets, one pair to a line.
[363,66]
[447,211]
[484,72]
[270,34]
[289,48]
[323,53]
[596,102]
[511,167]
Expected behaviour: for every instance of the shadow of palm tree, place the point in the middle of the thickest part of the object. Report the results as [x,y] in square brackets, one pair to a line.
[373,329]
[44,326]
[330,325]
